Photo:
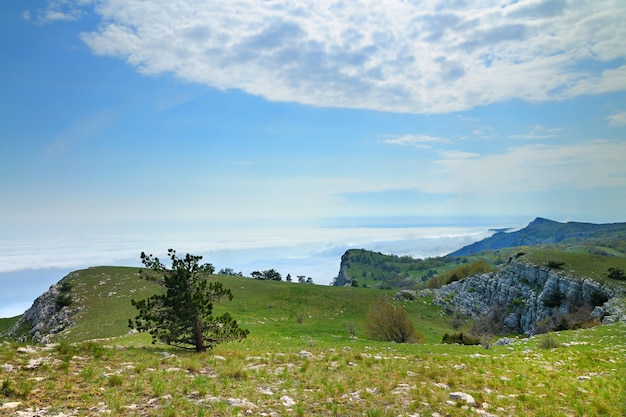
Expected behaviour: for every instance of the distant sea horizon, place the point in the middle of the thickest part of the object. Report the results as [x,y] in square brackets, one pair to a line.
[30,265]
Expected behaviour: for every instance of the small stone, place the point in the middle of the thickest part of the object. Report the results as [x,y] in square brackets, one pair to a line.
[10,405]
[461,396]
[584,378]
[287,401]
[442,385]
[7,367]
[306,354]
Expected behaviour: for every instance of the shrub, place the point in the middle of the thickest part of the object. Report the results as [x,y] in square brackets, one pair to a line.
[63,300]
[553,299]
[389,322]
[547,341]
[617,274]
[597,298]
[65,287]
[555,264]
[459,338]
[518,302]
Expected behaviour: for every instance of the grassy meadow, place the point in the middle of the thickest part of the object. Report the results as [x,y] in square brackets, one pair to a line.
[300,359]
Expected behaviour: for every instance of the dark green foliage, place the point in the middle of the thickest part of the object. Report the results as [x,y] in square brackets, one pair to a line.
[617,274]
[518,302]
[65,286]
[63,300]
[597,298]
[269,274]
[229,271]
[556,264]
[390,323]
[553,299]
[460,339]
[182,314]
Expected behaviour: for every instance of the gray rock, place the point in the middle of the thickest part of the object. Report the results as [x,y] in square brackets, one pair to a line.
[463,397]
[521,289]
[287,401]
[503,341]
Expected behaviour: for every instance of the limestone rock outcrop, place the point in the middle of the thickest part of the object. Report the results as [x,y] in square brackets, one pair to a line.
[527,295]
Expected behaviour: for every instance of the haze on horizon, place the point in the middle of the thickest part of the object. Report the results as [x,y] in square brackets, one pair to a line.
[164,118]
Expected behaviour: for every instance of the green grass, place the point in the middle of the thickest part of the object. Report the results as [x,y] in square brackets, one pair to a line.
[583,376]
[278,309]
[579,263]
[575,373]
[7,323]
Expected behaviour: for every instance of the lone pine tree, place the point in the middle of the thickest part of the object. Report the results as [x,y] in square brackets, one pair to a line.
[181,314]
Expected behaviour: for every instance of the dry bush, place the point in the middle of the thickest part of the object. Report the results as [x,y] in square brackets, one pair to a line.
[389,322]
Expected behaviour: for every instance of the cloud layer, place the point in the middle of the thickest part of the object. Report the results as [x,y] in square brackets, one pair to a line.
[421,57]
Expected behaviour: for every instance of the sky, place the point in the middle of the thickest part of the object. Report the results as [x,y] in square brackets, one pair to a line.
[131,124]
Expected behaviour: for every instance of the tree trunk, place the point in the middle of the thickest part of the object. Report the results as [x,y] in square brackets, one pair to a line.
[197,333]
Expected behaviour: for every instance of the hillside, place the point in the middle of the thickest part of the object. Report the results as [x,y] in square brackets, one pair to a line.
[607,238]
[605,243]
[101,306]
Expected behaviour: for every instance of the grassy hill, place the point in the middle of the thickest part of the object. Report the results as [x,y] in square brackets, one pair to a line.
[300,360]
[587,250]
[272,308]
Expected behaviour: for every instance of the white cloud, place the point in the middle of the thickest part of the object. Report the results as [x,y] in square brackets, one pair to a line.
[423,57]
[60,10]
[418,141]
[617,119]
[536,133]
[531,168]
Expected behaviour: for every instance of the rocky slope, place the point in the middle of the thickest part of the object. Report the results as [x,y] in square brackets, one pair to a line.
[50,314]
[528,298]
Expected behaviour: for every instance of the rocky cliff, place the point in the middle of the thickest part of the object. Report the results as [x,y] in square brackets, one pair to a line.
[50,314]
[527,298]
[341,279]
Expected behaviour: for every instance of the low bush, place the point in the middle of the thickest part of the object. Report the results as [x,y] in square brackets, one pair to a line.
[617,274]
[391,323]
[63,300]
[553,299]
[555,264]
[597,298]
[460,339]
[547,341]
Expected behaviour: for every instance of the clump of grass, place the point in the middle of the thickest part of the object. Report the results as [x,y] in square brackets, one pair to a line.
[116,380]
[547,341]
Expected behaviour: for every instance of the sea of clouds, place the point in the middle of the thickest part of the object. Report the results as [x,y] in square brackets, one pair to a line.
[30,265]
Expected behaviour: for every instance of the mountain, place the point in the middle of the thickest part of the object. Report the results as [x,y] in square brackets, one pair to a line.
[548,232]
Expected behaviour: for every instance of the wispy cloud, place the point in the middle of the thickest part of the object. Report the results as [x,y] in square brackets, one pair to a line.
[59,11]
[589,165]
[421,57]
[617,119]
[537,133]
[417,141]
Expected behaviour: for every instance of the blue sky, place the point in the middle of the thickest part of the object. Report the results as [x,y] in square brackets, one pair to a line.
[134,116]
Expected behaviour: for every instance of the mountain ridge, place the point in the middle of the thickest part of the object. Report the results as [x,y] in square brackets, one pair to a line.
[542,231]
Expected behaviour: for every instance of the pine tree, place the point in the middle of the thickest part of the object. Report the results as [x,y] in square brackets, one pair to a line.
[181,315]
